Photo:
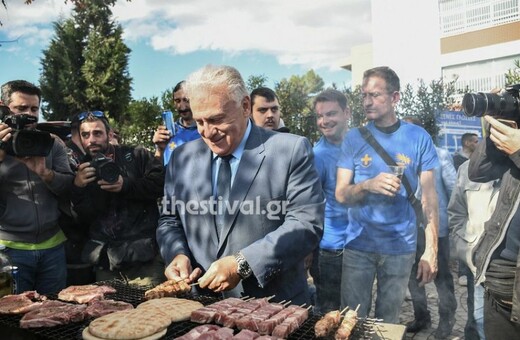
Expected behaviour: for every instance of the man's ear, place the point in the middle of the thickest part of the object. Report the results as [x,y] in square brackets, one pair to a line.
[246,106]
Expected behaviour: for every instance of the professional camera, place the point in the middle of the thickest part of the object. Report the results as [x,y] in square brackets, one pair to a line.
[24,143]
[504,105]
[105,167]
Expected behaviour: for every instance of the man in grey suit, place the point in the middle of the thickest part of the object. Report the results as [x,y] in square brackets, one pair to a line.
[252,240]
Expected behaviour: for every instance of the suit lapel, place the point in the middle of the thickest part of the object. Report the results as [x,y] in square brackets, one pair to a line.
[204,188]
[250,163]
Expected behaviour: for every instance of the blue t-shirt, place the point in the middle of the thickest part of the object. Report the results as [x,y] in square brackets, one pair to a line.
[180,136]
[326,156]
[382,224]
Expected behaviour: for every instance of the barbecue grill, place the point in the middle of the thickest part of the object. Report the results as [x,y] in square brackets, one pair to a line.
[10,324]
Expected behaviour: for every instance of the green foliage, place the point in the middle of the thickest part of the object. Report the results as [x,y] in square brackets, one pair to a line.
[513,75]
[255,81]
[141,119]
[86,65]
[426,101]
[356,106]
[295,96]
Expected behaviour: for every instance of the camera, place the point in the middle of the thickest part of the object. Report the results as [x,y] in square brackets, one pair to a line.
[504,105]
[105,167]
[24,143]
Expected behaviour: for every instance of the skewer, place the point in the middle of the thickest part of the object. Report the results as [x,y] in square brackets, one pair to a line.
[194,284]
[357,308]
[344,310]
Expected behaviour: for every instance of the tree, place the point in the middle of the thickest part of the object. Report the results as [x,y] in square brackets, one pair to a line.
[295,95]
[86,65]
[76,2]
[426,102]
[513,75]
[142,118]
[255,81]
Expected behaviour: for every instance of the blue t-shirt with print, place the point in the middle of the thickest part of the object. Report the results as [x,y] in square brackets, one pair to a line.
[326,156]
[180,136]
[382,224]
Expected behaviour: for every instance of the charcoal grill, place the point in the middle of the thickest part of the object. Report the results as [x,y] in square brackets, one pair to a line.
[10,329]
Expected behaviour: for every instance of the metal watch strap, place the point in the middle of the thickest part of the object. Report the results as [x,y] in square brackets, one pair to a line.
[243,270]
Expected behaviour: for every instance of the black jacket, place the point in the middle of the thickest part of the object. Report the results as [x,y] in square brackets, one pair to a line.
[122,225]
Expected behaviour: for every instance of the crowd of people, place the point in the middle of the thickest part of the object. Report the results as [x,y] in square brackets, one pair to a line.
[233,202]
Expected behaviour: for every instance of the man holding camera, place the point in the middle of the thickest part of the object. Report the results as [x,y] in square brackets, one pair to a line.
[32,180]
[116,192]
[496,255]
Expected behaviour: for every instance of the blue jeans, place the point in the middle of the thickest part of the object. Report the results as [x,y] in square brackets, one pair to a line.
[359,271]
[478,313]
[42,270]
[443,283]
[328,282]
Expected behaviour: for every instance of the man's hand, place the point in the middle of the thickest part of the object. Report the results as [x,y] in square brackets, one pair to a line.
[180,270]
[160,139]
[85,175]
[37,165]
[111,187]
[427,268]
[505,138]
[222,275]
[5,135]
[385,184]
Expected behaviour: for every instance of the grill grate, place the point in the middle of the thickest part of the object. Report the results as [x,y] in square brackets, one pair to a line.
[9,324]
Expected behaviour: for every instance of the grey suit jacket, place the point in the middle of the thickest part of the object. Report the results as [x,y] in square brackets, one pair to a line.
[279,223]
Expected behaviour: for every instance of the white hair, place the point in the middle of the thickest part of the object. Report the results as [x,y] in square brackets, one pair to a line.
[210,77]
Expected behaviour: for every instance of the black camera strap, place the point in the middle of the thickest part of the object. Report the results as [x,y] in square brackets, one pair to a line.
[416,204]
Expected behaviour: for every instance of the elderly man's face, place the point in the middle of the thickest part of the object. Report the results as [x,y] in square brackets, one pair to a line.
[221,121]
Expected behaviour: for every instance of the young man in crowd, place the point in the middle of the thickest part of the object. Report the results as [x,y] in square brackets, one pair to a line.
[496,255]
[332,117]
[116,193]
[265,109]
[30,190]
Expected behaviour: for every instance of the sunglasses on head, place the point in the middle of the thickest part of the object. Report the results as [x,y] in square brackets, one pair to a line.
[83,115]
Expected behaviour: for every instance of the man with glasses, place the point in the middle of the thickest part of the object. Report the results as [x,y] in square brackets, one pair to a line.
[185,129]
[30,189]
[116,193]
[266,111]
[382,230]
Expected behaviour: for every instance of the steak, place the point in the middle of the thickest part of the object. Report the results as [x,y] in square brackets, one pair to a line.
[84,293]
[53,313]
[21,303]
[97,308]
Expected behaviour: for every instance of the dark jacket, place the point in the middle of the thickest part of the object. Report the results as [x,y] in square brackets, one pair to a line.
[122,225]
[486,164]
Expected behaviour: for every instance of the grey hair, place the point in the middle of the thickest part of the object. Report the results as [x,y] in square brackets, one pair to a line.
[206,79]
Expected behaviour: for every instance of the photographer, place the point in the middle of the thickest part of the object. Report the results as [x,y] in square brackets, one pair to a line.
[30,188]
[496,255]
[116,193]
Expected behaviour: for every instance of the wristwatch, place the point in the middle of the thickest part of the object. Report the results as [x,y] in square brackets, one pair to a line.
[244,270]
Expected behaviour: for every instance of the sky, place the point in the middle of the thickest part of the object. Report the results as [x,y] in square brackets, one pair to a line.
[170,39]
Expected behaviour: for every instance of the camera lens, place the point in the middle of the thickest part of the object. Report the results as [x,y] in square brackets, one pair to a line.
[109,171]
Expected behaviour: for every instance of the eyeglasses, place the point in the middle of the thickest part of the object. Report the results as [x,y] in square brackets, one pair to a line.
[83,115]
[372,95]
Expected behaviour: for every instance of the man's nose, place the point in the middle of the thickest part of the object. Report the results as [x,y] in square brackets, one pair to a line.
[208,130]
